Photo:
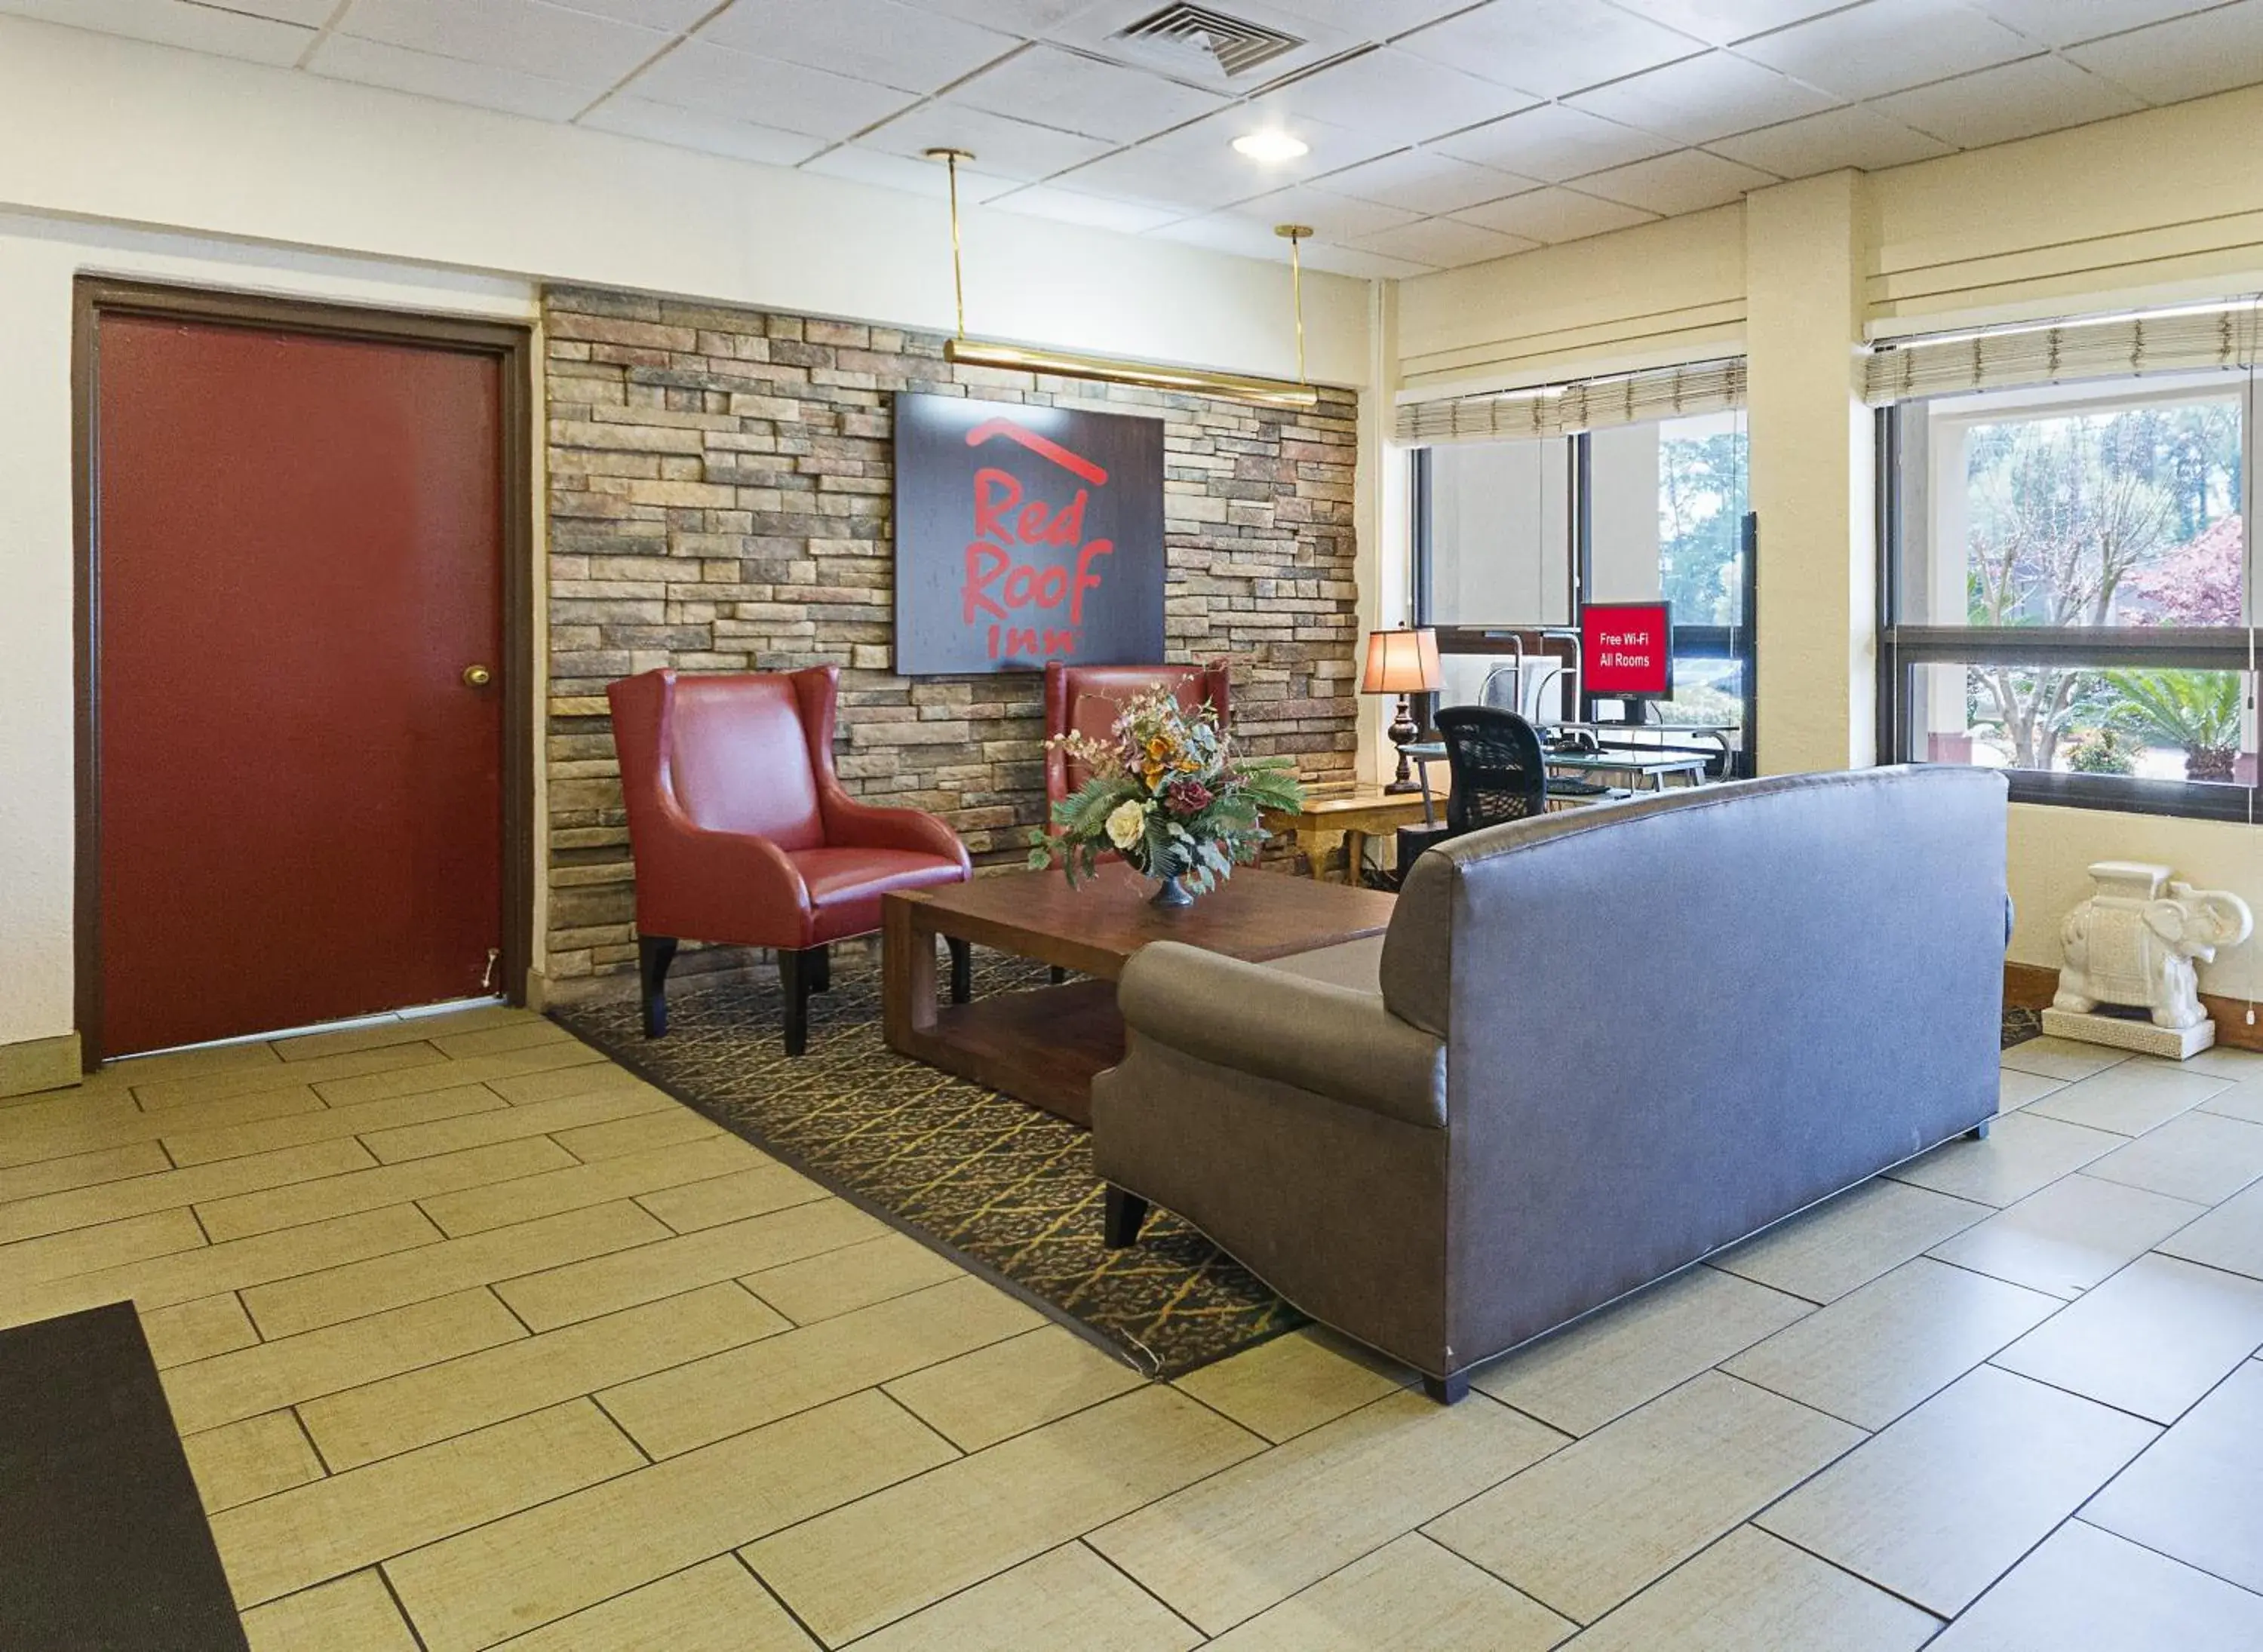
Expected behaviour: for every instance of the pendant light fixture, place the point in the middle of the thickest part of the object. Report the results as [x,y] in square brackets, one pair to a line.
[977,352]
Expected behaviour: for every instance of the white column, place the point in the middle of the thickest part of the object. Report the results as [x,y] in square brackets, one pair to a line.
[1813,483]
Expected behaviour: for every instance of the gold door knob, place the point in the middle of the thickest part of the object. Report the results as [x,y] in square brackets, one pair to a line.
[477,677]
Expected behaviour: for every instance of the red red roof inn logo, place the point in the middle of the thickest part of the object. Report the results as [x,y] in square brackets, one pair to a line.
[1025,534]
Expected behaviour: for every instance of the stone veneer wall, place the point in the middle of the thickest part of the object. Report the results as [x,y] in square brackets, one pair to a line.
[720,501]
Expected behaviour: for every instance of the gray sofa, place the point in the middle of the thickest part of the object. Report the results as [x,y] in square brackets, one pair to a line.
[1591,1049]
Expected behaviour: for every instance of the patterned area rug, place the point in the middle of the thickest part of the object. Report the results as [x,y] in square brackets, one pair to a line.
[1002,1187]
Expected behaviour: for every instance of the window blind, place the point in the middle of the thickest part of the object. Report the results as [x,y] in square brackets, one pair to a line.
[1579,404]
[2182,340]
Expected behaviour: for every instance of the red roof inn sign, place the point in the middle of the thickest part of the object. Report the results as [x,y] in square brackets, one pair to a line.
[1025,534]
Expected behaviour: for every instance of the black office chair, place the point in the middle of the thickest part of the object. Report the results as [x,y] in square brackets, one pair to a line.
[1500,772]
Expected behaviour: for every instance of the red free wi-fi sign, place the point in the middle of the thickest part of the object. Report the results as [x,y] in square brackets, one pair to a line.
[1025,534]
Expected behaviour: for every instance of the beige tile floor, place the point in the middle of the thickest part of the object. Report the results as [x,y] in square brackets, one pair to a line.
[475,1340]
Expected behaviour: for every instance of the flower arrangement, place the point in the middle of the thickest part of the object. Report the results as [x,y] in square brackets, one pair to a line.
[1165,792]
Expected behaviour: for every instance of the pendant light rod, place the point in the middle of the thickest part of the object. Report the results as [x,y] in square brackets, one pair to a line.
[1294,234]
[950,158]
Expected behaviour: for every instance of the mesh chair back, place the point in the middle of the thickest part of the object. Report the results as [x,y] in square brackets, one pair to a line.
[1499,771]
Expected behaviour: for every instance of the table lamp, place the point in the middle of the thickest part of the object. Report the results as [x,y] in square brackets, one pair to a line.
[1402,662]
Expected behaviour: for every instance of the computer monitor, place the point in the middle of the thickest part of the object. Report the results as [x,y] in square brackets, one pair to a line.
[1626,651]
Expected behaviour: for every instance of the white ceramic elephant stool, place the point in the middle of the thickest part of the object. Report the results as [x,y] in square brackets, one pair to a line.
[2132,944]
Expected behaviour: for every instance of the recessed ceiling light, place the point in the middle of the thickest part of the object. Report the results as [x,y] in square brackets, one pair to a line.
[1271,147]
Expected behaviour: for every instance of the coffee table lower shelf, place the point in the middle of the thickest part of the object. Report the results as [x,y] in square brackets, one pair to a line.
[1042,1045]
[1045,1045]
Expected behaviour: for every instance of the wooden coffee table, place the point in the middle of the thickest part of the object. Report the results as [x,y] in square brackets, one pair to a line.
[1043,1045]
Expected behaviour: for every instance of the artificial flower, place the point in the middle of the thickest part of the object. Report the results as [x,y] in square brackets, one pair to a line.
[1127,824]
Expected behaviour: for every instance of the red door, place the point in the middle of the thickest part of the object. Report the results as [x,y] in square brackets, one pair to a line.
[298,546]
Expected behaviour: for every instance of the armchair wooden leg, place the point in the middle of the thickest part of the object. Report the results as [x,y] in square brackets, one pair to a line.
[962,968]
[821,968]
[1446,1390]
[1059,974]
[795,970]
[654,953]
[1122,1215]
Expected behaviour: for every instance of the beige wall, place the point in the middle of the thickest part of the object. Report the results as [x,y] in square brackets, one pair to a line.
[126,159]
[2162,206]
[1661,292]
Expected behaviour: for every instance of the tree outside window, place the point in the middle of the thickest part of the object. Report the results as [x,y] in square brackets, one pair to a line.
[2123,516]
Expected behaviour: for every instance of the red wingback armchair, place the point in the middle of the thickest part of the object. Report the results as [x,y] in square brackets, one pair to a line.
[1087,699]
[743,836]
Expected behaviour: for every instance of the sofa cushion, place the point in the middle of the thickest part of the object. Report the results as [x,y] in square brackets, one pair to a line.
[1355,964]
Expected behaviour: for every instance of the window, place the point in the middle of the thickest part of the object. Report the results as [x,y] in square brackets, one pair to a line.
[1514,536]
[2067,591]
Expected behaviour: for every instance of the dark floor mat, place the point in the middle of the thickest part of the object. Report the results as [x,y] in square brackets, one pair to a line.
[104,1545]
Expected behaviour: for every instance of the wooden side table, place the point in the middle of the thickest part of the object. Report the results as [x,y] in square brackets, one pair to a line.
[1355,815]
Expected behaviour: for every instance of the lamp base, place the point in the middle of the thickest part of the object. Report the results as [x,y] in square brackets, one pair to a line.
[1402,733]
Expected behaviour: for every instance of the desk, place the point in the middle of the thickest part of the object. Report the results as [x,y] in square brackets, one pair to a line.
[1640,765]
[1357,815]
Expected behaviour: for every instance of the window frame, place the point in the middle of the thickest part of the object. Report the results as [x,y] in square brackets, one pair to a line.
[1690,641]
[1903,648]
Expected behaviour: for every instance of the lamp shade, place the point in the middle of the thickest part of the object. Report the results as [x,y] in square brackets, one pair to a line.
[1401,663]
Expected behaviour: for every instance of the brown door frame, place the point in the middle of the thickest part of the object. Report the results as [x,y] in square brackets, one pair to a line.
[511,345]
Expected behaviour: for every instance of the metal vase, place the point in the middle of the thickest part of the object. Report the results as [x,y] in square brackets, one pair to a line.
[1171,894]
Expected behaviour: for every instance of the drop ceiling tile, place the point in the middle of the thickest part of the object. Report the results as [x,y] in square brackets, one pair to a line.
[1223,232]
[1027,18]
[711,134]
[1447,242]
[525,36]
[1144,174]
[716,80]
[1553,143]
[2068,22]
[1718,22]
[1367,266]
[1554,215]
[374,63]
[1370,19]
[910,178]
[1553,49]
[1687,181]
[1397,96]
[1197,167]
[871,39]
[671,16]
[1095,28]
[1702,98]
[1008,147]
[2017,100]
[1057,87]
[175,23]
[307,13]
[1884,46]
[1859,138]
[1335,217]
[1423,181]
[2191,57]
[1068,205]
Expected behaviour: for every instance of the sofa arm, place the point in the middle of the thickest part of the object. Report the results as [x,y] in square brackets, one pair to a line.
[1332,1040]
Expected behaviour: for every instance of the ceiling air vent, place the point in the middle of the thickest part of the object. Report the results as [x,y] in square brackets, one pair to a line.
[1196,37]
